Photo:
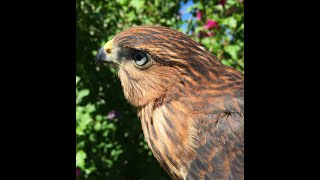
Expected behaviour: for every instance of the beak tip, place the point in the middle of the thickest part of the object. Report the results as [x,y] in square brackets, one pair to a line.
[101,57]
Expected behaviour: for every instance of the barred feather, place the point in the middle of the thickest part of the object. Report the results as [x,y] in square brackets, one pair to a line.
[190,105]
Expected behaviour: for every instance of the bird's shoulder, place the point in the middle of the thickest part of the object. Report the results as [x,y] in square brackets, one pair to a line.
[220,139]
[219,153]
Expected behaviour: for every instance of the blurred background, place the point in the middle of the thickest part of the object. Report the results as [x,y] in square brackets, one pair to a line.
[110,143]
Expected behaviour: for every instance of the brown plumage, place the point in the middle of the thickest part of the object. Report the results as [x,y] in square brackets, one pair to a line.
[190,105]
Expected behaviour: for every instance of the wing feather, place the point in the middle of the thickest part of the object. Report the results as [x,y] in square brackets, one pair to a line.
[220,154]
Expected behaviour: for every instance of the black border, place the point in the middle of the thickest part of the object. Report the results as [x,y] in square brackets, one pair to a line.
[38,89]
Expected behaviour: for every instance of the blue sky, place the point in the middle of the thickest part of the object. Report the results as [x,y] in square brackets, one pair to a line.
[185,16]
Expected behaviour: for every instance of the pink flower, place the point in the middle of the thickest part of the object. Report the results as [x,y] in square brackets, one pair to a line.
[113,114]
[199,15]
[211,24]
[78,172]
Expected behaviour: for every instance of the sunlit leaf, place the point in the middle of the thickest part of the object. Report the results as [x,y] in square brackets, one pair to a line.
[80,159]
[233,51]
[137,4]
[81,94]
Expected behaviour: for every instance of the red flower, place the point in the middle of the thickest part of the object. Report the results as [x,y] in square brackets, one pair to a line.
[209,34]
[199,15]
[222,2]
[205,34]
[202,34]
[211,24]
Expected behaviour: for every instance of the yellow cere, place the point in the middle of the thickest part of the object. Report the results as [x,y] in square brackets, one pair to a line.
[108,46]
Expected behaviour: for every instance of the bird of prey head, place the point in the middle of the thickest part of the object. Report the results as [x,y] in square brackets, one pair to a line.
[190,105]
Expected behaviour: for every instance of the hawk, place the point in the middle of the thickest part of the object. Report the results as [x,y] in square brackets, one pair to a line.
[191,106]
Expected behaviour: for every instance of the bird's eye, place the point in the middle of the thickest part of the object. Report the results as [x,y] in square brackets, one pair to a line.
[140,58]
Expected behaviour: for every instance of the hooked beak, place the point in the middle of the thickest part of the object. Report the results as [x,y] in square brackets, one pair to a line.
[104,54]
[101,57]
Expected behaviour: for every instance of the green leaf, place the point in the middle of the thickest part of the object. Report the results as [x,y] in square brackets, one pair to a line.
[94,52]
[92,137]
[80,159]
[109,163]
[98,117]
[138,4]
[226,62]
[77,79]
[241,27]
[162,20]
[156,3]
[109,145]
[233,51]
[198,29]
[97,126]
[199,6]
[89,108]
[189,9]
[123,2]
[131,16]
[89,170]
[105,133]
[81,94]
[231,22]
[206,41]
[113,153]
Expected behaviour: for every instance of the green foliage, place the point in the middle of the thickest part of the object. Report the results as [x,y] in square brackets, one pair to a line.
[225,40]
[110,143]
